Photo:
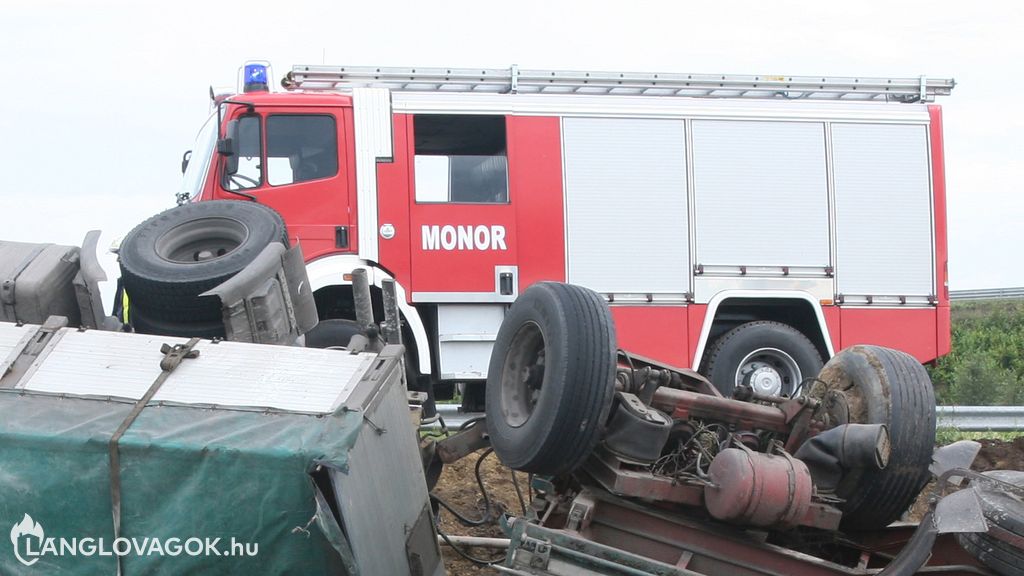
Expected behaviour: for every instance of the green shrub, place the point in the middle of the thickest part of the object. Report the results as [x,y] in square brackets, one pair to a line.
[986,364]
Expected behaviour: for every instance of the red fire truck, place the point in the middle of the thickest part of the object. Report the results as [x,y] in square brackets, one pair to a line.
[744,226]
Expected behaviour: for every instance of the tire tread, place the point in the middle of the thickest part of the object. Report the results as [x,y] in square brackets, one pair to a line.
[584,395]
[884,495]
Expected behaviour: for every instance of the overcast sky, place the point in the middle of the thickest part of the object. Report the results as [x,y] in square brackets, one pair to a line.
[99,99]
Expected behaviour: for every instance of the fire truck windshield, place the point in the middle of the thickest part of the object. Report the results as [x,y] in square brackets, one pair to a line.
[199,163]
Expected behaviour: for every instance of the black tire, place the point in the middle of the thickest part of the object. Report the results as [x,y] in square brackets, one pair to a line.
[333,332]
[1005,512]
[143,324]
[883,386]
[171,258]
[551,379]
[795,357]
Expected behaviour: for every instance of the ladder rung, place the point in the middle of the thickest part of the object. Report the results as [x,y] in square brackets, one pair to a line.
[514,80]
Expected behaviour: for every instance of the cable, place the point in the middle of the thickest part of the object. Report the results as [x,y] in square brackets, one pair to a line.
[519,492]
[487,517]
[480,482]
[471,421]
[799,387]
[465,520]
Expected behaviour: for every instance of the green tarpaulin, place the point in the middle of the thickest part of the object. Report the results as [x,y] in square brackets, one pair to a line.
[243,477]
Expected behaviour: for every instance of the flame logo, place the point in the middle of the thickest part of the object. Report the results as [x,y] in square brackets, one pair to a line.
[27,527]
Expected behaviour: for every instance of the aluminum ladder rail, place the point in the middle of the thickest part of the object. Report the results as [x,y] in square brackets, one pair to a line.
[514,80]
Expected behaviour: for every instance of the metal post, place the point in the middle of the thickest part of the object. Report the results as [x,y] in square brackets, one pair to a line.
[361,295]
[391,329]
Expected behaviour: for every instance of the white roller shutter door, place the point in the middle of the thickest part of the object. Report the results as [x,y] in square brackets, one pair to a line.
[626,205]
[761,193]
[883,210]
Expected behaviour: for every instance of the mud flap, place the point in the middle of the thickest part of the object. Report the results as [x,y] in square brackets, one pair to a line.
[269,301]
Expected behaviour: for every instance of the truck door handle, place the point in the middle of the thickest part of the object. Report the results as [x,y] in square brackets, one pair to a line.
[341,237]
[505,284]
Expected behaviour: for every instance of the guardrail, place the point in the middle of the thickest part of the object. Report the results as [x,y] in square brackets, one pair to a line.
[987,294]
[981,418]
[966,418]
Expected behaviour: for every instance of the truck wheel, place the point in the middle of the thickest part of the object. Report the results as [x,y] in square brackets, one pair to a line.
[1004,512]
[551,378]
[333,332]
[145,325]
[771,357]
[875,385]
[171,258]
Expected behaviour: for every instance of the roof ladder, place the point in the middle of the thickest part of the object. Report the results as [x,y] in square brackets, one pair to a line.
[523,81]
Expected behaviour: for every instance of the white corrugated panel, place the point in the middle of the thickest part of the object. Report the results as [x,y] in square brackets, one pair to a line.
[761,193]
[123,365]
[11,336]
[883,210]
[626,204]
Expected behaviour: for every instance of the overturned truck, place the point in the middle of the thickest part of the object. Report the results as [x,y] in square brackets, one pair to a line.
[216,421]
[642,468]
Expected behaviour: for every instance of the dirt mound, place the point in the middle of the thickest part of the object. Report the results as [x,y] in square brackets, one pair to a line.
[1000,455]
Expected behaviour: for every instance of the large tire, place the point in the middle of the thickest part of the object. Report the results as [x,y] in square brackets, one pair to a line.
[772,357]
[1005,512]
[145,325]
[333,332]
[875,385]
[171,258]
[551,379]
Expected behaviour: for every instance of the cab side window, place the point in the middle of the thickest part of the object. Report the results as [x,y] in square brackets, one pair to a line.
[461,158]
[301,148]
[249,173]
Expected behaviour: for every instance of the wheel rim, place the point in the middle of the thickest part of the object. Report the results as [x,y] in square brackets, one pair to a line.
[769,372]
[522,375]
[201,240]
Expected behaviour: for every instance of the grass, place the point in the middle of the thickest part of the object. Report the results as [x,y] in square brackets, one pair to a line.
[945,436]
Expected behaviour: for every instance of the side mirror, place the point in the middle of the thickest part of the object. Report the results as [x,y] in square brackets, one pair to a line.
[184,160]
[228,148]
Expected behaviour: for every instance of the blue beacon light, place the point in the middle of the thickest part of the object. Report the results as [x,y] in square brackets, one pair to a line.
[255,78]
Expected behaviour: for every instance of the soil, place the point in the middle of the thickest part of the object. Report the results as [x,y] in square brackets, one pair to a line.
[458,487]
[1000,455]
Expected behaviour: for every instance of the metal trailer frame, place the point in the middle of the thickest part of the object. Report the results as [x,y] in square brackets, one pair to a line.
[610,535]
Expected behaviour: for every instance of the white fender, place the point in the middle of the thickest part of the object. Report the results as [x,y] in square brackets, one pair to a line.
[331,270]
[718,298]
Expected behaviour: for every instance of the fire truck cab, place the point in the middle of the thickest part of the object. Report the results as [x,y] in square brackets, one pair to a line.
[744,226]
